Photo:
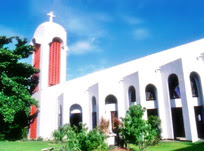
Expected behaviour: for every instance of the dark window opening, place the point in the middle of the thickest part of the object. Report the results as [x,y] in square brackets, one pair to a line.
[152,112]
[94,113]
[60,116]
[178,124]
[132,95]
[75,115]
[150,92]
[76,119]
[174,89]
[194,86]
[199,117]
[110,100]
[94,123]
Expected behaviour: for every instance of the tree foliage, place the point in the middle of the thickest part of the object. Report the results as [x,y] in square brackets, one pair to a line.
[17,82]
[136,130]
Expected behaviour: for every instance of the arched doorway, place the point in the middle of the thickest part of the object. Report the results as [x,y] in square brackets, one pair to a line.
[196,90]
[111,109]
[75,115]
[176,112]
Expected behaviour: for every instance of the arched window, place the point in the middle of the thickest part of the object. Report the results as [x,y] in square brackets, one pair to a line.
[195,81]
[54,62]
[110,99]
[131,93]
[94,116]
[75,115]
[174,90]
[150,92]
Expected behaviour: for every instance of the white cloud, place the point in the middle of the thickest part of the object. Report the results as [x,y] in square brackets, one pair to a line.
[131,20]
[141,34]
[84,25]
[82,47]
[77,22]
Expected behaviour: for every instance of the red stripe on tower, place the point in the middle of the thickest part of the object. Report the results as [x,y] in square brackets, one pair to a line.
[37,61]
[54,63]
[33,124]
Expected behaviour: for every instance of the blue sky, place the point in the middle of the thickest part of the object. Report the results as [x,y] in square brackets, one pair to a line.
[104,33]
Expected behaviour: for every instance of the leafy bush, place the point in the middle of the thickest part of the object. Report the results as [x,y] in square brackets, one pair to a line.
[79,139]
[155,123]
[39,139]
[136,130]
[95,140]
[61,133]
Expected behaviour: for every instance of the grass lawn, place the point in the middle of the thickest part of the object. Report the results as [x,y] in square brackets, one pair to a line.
[24,146]
[163,146]
[175,146]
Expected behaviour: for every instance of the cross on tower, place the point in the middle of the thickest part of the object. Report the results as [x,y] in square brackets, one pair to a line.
[51,16]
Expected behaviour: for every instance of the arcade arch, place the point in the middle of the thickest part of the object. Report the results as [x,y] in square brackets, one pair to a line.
[176,112]
[75,115]
[196,89]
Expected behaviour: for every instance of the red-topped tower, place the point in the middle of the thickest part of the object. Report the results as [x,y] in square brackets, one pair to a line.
[50,57]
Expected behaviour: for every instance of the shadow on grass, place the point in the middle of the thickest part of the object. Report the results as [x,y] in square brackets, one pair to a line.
[198,146]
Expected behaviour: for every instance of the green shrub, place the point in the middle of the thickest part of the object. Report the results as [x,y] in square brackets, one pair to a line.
[39,139]
[61,133]
[136,130]
[155,123]
[79,139]
[67,138]
[95,140]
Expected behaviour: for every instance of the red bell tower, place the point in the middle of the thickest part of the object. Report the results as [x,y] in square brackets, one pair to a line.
[50,57]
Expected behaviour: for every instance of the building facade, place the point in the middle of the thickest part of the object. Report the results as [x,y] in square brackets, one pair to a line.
[168,84]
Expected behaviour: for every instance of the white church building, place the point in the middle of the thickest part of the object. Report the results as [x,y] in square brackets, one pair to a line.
[169,84]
